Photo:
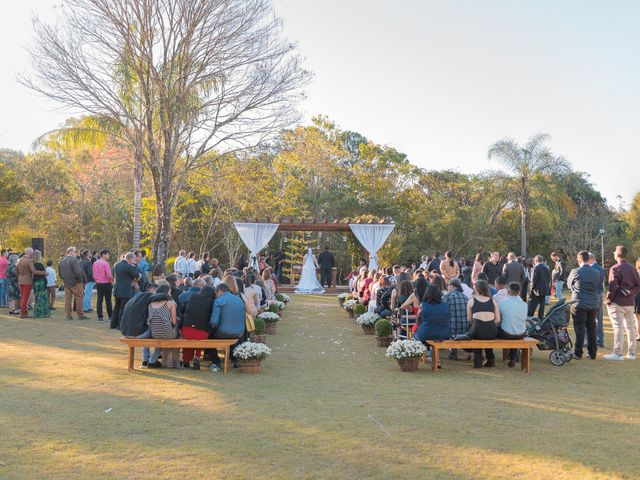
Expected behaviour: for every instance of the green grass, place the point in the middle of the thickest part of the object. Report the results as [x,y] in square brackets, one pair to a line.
[327,405]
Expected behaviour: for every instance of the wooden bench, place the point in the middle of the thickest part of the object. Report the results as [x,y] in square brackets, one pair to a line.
[223,344]
[526,344]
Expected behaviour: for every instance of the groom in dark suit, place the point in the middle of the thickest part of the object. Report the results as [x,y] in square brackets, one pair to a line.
[326,262]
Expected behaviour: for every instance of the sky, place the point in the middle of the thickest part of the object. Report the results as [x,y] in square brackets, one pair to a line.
[438,80]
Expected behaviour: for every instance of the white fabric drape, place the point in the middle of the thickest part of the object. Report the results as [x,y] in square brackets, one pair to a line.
[372,237]
[256,236]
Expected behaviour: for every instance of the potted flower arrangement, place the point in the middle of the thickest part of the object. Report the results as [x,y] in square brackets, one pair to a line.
[273,307]
[280,305]
[250,355]
[407,353]
[383,331]
[348,306]
[283,297]
[367,322]
[270,319]
[343,297]
[358,309]
[259,334]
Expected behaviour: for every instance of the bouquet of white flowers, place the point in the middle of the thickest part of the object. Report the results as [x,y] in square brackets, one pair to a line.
[269,317]
[349,304]
[344,296]
[283,297]
[280,305]
[405,349]
[251,351]
[367,319]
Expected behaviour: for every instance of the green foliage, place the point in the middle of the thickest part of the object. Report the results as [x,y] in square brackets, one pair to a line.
[273,308]
[261,326]
[383,327]
[358,309]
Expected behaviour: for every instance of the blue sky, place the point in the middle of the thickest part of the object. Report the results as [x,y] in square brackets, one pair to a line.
[438,80]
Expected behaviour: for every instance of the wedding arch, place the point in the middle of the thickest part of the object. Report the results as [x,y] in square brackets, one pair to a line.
[256,235]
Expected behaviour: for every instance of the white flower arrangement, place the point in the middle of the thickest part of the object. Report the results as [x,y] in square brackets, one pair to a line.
[367,319]
[280,305]
[269,317]
[285,298]
[251,351]
[349,304]
[405,349]
[344,296]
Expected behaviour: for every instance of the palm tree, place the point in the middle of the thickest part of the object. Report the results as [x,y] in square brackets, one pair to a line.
[525,164]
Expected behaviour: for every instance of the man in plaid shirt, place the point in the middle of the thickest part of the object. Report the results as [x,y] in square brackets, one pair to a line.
[458,322]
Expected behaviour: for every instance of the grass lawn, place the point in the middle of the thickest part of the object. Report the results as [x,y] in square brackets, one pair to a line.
[327,405]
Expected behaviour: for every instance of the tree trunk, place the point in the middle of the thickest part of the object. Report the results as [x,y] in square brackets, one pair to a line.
[137,201]
[523,230]
[163,220]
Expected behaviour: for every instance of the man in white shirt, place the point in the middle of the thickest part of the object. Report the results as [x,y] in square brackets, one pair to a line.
[191,263]
[52,278]
[180,265]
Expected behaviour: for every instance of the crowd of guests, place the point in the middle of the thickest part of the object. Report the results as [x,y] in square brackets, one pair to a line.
[493,298]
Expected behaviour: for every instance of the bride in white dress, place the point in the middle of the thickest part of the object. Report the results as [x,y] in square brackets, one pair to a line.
[308,280]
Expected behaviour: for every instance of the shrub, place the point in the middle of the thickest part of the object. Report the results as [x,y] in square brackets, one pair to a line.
[261,326]
[383,327]
[358,309]
[273,308]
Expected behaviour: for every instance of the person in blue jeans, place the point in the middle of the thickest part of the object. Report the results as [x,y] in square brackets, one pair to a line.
[600,315]
[559,274]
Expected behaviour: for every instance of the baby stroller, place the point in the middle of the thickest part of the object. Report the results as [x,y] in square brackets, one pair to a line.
[552,333]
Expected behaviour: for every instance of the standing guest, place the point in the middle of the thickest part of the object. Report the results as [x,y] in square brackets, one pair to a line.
[559,276]
[501,287]
[143,280]
[157,274]
[434,265]
[583,282]
[26,271]
[13,286]
[478,266]
[540,286]
[71,273]
[180,264]
[624,285]
[52,279]
[104,283]
[41,307]
[126,274]
[493,268]
[424,263]
[4,262]
[191,264]
[216,270]
[326,262]
[599,316]
[227,321]
[484,315]
[143,265]
[87,271]
[514,270]
[528,267]
[513,319]
[203,264]
[250,290]
[449,269]
[637,307]
[457,302]
[269,286]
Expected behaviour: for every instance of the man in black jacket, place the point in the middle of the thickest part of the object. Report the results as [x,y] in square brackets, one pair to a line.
[326,262]
[126,273]
[514,270]
[540,286]
[492,268]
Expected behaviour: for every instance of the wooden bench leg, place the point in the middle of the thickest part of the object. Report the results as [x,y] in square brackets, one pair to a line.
[227,358]
[525,359]
[434,358]
[505,354]
[132,355]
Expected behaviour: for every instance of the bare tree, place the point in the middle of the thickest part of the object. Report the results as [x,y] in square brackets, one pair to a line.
[185,79]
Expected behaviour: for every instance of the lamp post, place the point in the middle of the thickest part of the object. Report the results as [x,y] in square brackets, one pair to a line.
[602,244]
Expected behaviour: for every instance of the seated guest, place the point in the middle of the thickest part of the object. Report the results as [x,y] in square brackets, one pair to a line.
[457,302]
[227,320]
[185,284]
[195,324]
[433,320]
[251,290]
[483,276]
[173,284]
[439,282]
[157,274]
[484,315]
[163,322]
[383,297]
[415,299]
[513,319]
[196,286]
[501,287]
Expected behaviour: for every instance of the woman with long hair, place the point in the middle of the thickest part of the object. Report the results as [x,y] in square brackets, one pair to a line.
[484,315]
[13,286]
[478,265]
[268,285]
[41,293]
[433,320]
[449,269]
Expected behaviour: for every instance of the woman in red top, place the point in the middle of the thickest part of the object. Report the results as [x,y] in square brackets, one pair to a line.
[366,287]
